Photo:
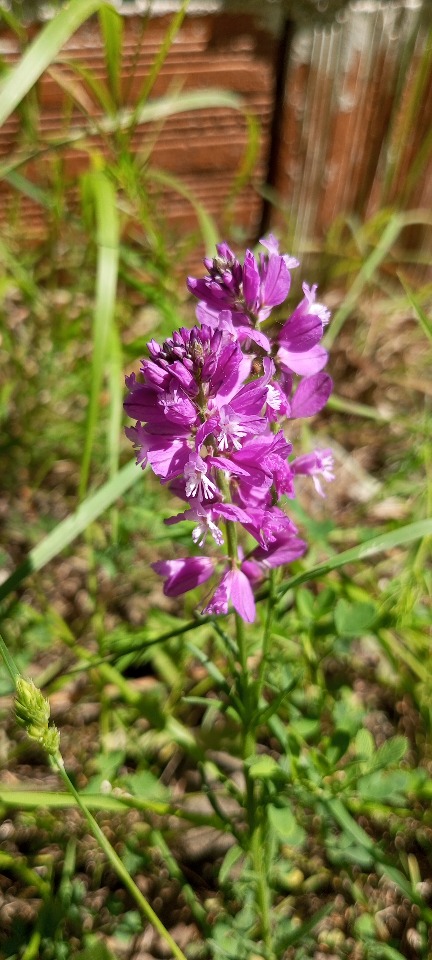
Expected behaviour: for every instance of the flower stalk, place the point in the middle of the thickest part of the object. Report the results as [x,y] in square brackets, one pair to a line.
[117,864]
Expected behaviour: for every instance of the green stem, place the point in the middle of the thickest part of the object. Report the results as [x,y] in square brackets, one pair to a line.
[258,854]
[271,602]
[249,694]
[256,840]
[117,864]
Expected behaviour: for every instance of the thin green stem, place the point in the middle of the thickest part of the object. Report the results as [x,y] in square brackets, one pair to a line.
[258,853]
[117,864]
[241,646]
[231,535]
[164,49]
[256,841]
[271,602]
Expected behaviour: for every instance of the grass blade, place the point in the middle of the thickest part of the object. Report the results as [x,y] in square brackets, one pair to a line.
[396,223]
[116,389]
[69,529]
[161,55]
[29,189]
[42,52]
[380,544]
[386,541]
[102,195]
[365,275]
[357,409]
[111,24]
[247,165]
[159,109]
[424,321]
[31,799]
[207,225]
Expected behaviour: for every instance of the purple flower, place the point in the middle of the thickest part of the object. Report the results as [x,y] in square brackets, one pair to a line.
[311,395]
[233,588]
[222,288]
[316,464]
[183,574]
[198,483]
[284,548]
[299,350]
[204,517]
[247,292]
[208,405]
[166,452]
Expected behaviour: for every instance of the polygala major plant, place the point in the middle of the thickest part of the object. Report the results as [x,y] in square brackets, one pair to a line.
[210,407]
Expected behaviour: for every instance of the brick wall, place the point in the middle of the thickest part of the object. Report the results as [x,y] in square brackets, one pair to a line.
[342,94]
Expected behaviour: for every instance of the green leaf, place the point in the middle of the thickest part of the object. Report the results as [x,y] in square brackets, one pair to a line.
[230,859]
[365,926]
[348,712]
[285,826]
[95,950]
[391,752]
[146,786]
[305,727]
[383,951]
[305,603]
[354,619]
[361,839]
[338,746]
[341,850]
[287,934]
[390,788]
[44,49]
[263,768]
[364,744]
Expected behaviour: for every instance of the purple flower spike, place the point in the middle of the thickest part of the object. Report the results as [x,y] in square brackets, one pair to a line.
[209,404]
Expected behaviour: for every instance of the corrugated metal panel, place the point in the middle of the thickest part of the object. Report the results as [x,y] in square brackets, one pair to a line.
[356,112]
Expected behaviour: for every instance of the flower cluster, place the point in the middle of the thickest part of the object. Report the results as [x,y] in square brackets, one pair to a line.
[208,409]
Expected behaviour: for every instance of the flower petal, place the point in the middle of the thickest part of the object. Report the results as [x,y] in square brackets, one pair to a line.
[311,395]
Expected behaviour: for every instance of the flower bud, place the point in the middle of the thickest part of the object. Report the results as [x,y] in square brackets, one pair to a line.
[32,712]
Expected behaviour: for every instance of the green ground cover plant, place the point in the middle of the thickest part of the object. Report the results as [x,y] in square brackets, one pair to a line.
[206,788]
